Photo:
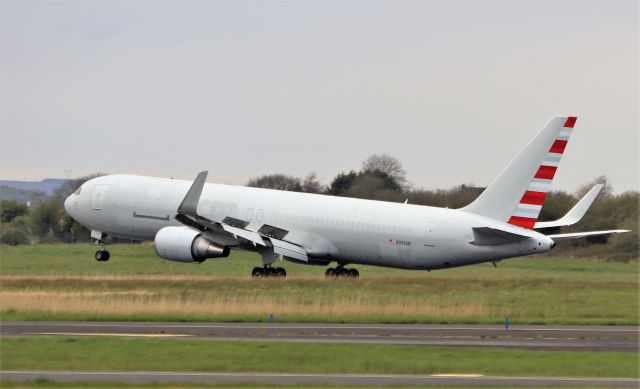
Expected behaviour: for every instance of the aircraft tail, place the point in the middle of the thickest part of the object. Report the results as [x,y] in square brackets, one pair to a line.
[518,193]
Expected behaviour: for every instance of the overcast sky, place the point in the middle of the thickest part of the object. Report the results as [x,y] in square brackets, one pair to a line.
[454,89]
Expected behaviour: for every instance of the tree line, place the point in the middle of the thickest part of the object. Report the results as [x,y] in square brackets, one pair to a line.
[47,222]
[380,177]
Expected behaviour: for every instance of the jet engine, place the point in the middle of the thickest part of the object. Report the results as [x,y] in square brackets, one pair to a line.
[183,244]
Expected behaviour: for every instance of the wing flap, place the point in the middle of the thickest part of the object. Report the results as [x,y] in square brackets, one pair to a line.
[251,236]
[289,250]
[487,236]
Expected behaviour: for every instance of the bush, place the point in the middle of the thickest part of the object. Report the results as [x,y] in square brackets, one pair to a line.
[9,210]
[15,233]
[47,219]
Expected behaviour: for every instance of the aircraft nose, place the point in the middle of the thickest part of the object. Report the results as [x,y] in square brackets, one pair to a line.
[69,203]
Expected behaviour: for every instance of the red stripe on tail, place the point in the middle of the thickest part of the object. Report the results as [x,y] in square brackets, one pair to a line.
[558,146]
[533,198]
[525,222]
[546,172]
[571,121]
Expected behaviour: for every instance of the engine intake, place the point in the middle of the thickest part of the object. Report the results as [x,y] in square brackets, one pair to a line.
[183,244]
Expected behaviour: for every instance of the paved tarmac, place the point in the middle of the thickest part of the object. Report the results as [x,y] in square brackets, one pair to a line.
[579,338]
[310,379]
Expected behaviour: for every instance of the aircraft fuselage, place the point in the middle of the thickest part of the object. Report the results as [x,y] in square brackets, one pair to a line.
[330,228]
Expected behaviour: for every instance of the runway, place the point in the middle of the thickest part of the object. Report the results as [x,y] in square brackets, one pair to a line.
[310,379]
[573,338]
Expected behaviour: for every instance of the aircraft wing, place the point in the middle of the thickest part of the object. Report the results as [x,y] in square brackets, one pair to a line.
[267,235]
[576,213]
[574,235]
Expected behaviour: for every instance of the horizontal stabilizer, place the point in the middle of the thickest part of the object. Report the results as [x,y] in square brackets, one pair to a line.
[574,235]
[576,213]
[487,236]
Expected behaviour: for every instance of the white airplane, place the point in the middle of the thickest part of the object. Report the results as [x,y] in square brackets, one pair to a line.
[193,221]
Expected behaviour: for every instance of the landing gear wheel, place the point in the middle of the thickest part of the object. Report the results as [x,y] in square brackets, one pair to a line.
[257,272]
[102,255]
[340,271]
[268,272]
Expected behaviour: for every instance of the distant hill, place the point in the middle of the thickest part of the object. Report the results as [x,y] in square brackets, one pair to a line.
[29,191]
[48,186]
[20,195]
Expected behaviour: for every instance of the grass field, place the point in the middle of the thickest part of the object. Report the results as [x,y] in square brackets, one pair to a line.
[64,282]
[117,354]
[43,383]
[108,385]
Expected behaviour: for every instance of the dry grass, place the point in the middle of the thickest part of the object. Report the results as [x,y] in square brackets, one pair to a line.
[6,278]
[144,302]
[305,297]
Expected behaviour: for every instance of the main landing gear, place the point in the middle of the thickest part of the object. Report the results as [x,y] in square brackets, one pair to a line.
[268,271]
[341,271]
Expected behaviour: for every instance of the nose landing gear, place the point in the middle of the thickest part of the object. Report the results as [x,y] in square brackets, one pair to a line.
[102,255]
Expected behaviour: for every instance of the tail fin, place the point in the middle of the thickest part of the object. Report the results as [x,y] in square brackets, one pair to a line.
[518,193]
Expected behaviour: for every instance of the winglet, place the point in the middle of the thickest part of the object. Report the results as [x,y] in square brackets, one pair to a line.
[576,213]
[189,205]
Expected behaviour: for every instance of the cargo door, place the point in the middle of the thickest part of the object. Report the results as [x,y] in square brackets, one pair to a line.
[152,203]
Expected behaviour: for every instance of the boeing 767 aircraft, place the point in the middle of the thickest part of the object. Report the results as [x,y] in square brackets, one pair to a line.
[193,221]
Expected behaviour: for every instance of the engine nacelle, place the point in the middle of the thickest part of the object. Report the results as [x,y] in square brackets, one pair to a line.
[182,244]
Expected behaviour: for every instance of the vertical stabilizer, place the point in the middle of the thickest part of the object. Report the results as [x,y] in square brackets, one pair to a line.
[518,193]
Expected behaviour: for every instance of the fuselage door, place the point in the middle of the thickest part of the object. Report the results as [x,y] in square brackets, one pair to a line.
[98,196]
[429,233]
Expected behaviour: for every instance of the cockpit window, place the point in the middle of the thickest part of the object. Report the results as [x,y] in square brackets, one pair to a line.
[77,192]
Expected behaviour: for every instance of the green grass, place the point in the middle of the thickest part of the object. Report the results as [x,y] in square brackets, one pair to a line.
[44,383]
[115,354]
[63,282]
[74,259]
